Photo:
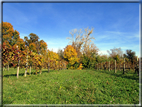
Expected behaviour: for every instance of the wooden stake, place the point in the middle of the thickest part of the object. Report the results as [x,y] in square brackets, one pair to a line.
[18,71]
[25,71]
[48,65]
[124,67]
[109,65]
[30,70]
[115,66]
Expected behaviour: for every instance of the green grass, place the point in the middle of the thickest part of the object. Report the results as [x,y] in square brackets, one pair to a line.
[70,87]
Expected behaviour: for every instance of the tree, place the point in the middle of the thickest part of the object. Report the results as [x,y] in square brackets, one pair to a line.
[61,54]
[88,58]
[70,55]
[85,61]
[34,44]
[6,55]
[10,36]
[130,55]
[104,58]
[42,47]
[11,39]
[115,51]
[21,44]
[90,50]
[32,47]
[52,55]
[52,58]
[81,40]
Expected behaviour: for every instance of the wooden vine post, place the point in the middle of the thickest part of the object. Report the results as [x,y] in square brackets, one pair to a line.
[18,64]
[115,66]
[109,66]
[8,65]
[101,65]
[26,64]
[60,66]
[137,67]
[105,65]
[48,65]
[53,64]
[124,66]
[64,66]
[30,70]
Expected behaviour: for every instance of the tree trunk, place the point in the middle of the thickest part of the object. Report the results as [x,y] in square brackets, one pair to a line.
[30,70]
[8,67]
[36,71]
[54,65]
[40,71]
[3,68]
[60,66]
[99,66]
[48,69]
[26,72]
[17,71]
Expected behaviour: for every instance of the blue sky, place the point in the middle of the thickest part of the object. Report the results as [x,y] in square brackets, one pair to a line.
[115,24]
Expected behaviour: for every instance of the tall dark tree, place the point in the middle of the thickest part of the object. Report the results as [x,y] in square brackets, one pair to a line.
[130,55]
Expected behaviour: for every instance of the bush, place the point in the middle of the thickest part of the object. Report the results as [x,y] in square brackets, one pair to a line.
[68,65]
[76,65]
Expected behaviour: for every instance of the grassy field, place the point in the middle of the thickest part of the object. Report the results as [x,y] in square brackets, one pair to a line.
[70,87]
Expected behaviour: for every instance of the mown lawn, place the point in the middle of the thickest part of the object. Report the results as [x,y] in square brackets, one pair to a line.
[70,87]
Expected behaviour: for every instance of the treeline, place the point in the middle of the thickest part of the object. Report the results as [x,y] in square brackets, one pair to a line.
[30,52]
[34,53]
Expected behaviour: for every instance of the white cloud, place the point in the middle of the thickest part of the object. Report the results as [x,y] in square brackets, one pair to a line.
[51,43]
[55,49]
[103,52]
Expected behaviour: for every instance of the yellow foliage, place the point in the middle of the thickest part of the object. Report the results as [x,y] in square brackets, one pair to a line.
[32,47]
[80,67]
[70,54]
[52,55]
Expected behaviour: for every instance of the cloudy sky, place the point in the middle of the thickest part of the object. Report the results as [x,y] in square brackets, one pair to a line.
[115,24]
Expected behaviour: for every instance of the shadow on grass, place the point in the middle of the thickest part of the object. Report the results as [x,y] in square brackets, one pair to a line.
[120,74]
[9,75]
[32,73]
